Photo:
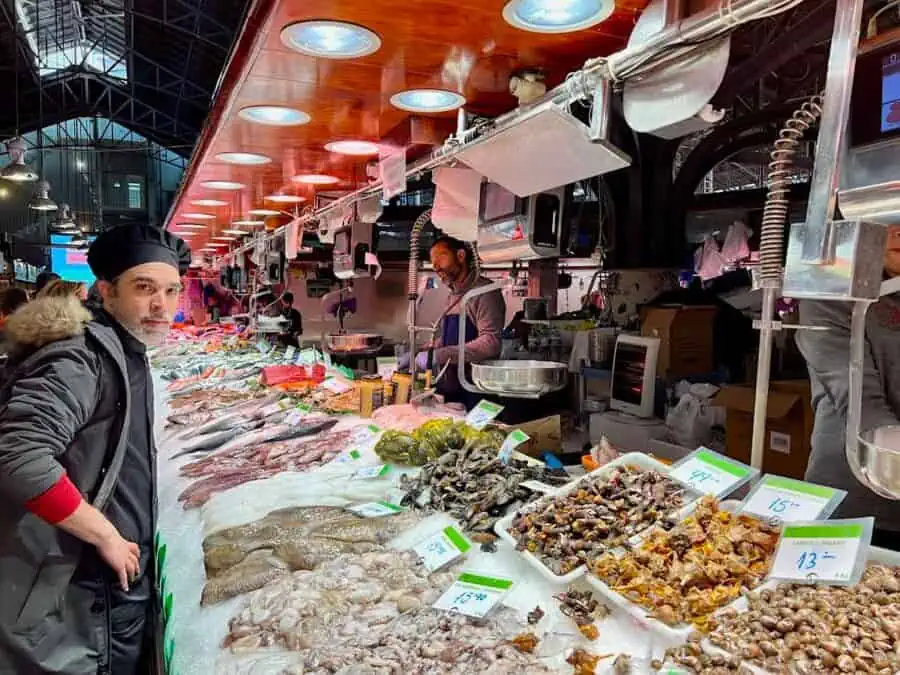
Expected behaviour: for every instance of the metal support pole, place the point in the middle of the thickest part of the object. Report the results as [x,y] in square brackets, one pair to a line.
[832,130]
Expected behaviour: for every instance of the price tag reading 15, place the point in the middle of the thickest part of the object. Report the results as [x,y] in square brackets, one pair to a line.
[473,594]
[789,500]
[710,473]
[823,552]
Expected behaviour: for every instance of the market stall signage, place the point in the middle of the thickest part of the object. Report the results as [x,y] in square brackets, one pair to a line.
[513,441]
[289,353]
[823,552]
[482,414]
[375,509]
[263,347]
[710,473]
[442,548]
[473,594]
[787,500]
[372,471]
[307,357]
[387,365]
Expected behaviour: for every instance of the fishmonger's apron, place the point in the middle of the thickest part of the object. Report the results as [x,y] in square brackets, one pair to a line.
[449,385]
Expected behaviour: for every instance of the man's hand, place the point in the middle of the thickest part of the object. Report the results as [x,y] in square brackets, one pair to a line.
[122,556]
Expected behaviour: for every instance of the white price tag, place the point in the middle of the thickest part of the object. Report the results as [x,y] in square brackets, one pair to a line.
[375,509]
[513,441]
[263,347]
[387,365]
[306,357]
[482,414]
[289,353]
[823,552]
[710,473]
[537,486]
[297,415]
[363,439]
[372,472]
[473,594]
[788,500]
[336,386]
[442,548]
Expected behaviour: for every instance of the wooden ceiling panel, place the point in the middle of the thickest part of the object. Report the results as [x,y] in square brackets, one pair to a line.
[461,45]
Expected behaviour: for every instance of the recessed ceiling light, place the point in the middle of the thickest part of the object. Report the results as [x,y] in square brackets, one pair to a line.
[243,158]
[183,234]
[208,202]
[274,115]
[264,212]
[316,179]
[224,238]
[360,148]
[427,100]
[557,16]
[239,233]
[285,199]
[248,222]
[191,226]
[222,185]
[200,216]
[330,39]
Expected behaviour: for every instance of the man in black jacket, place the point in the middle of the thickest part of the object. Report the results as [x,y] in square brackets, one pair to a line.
[77,465]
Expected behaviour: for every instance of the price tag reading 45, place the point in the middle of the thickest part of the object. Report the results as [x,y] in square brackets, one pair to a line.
[482,414]
[787,500]
[823,552]
[710,473]
[473,594]
[442,548]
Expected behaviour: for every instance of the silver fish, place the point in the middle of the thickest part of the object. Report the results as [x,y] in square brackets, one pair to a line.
[215,440]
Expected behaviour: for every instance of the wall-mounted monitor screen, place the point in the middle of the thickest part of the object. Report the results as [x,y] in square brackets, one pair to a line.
[69,263]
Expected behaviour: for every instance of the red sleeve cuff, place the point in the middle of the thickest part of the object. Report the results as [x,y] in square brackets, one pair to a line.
[57,503]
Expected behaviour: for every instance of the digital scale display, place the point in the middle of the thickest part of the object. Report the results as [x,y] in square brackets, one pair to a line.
[875,102]
[890,92]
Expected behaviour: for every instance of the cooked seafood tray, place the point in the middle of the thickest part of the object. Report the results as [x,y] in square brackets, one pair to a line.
[674,581]
[596,513]
[793,628]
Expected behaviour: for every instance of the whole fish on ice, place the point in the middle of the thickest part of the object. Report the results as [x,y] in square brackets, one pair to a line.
[216,439]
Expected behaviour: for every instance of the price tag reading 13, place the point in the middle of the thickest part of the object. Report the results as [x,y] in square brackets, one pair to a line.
[473,594]
[823,552]
[710,473]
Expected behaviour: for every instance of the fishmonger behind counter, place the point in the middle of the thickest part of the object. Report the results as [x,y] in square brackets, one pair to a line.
[454,264]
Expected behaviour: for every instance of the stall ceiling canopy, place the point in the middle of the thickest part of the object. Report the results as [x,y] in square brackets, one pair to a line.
[464,47]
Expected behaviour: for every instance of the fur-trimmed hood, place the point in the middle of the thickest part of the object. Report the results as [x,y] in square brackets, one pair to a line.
[45,320]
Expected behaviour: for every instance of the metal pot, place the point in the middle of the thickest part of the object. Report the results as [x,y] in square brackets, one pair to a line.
[532,377]
[353,343]
[878,454]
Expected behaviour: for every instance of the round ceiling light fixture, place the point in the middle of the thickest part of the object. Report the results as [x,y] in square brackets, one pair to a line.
[285,199]
[200,216]
[208,202]
[356,148]
[264,212]
[222,185]
[330,39]
[224,238]
[316,179]
[428,100]
[557,16]
[191,226]
[238,233]
[245,158]
[247,222]
[274,115]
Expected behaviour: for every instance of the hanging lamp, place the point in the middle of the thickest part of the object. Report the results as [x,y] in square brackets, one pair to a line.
[65,221]
[41,200]
[17,170]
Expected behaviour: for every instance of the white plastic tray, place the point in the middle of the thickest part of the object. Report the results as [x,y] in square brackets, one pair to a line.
[879,555]
[672,636]
[637,459]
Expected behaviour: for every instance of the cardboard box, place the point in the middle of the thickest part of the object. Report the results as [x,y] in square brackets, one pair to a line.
[544,434]
[789,422]
[685,339]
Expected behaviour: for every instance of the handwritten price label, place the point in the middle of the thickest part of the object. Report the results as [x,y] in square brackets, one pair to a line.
[375,509]
[710,473]
[442,548]
[482,414]
[513,441]
[788,500]
[823,552]
[473,594]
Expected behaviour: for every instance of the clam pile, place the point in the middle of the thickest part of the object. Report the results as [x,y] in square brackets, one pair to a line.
[567,531]
[819,629]
[474,486]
